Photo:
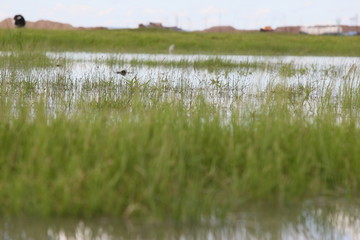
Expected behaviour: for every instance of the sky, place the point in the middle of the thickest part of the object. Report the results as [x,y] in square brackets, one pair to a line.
[187,14]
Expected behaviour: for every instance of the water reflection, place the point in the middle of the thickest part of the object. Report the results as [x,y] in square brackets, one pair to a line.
[324,219]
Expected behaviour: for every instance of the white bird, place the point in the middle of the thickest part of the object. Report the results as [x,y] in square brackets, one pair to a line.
[171,48]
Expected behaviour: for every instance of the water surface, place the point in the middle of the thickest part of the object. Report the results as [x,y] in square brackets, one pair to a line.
[316,219]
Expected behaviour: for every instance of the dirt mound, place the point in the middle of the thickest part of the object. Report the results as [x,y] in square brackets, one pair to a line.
[41,24]
[221,29]
[227,29]
[7,23]
[44,24]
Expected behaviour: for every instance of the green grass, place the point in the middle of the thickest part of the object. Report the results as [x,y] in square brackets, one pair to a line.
[163,164]
[214,63]
[28,60]
[127,148]
[158,41]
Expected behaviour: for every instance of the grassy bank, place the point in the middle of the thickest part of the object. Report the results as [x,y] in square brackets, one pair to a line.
[103,146]
[158,41]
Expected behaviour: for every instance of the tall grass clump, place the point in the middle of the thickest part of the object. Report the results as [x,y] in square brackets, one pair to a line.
[135,149]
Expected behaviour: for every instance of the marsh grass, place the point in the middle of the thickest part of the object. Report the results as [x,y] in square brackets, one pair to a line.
[23,60]
[152,150]
[216,64]
[28,60]
[158,41]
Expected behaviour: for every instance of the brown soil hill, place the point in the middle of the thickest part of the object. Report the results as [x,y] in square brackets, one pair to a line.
[7,23]
[221,29]
[41,24]
[44,24]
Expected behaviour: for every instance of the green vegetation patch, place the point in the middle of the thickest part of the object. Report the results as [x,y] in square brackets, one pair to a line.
[156,41]
[28,60]
[211,63]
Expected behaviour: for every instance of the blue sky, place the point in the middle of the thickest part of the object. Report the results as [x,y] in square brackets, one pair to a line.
[187,14]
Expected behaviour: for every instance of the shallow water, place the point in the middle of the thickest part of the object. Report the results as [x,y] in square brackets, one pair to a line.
[318,72]
[221,86]
[310,80]
[315,219]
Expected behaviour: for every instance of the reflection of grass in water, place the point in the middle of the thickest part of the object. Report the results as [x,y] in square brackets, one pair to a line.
[326,219]
[329,219]
[151,150]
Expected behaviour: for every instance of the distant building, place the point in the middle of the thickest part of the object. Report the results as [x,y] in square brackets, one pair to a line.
[155,25]
[151,25]
[158,25]
[322,30]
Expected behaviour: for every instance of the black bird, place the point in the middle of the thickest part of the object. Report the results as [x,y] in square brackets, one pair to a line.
[122,72]
[19,21]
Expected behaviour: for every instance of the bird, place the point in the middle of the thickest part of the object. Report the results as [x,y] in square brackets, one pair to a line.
[171,48]
[19,21]
[122,72]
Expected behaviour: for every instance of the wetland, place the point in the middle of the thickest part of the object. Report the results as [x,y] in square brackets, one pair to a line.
[181,146]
